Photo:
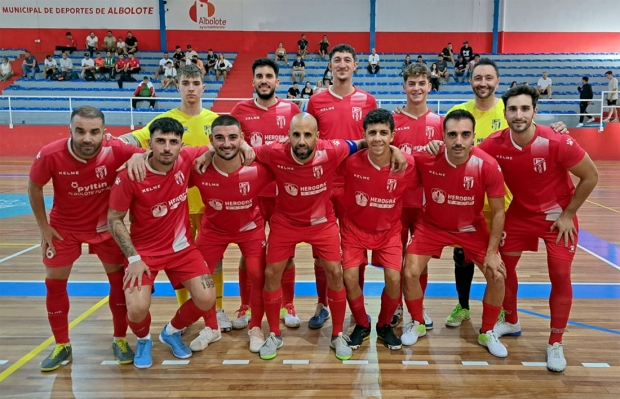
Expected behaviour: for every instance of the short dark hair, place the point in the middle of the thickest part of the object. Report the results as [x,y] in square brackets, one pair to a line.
[379,115]
[609,73]
[459,115]
[416,69]
[167,126]
[419,56]
[88,112]
[587,79]
[342,48]
[177,47]
[486,61]
[68,34]
[97,53]
[225,120]
[520,90]
[261,62]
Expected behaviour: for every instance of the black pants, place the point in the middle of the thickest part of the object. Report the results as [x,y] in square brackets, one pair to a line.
[583,107]
[435,83]
[134,102]
[373,69]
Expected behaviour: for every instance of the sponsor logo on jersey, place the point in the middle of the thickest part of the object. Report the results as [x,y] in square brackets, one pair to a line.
[391,185]
[430,132]
[540,165]
[159,210]
[117,181]
[468,182]
[101,172]
[207,130]
[327,109]
[69,172]
[175,202]
[281,121]
[313,190]
[285,167]
[256,139]
[216,204]
[361,177]
[432,172]
[179,177]
[438,195]
[356,113]
[149,189]
[496,124]
[461,200]
[569,141]
[336,142]
[361,198]
[506,157]
[238,205]
[244,187]
[317,171]
[90,189]
[406,148]
[291,189]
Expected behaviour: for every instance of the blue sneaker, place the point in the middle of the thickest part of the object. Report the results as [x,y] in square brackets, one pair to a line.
[319,317]
[142,358]
[174,341]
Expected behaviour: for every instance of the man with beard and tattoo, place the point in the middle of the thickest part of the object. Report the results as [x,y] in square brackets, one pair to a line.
[264,120]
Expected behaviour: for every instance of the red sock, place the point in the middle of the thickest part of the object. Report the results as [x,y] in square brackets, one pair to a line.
[321,284]
[244,287]
[288,285]
[338,305]
[117,304]
[142,328]
[362,276]
[210,318]
[256,274]
[561,299]
[512,286]
[388,307]
[400,297]
[273,303]
[57,303]
[416,309]
[490,314]
[186,315]
[359,311]
[424,282]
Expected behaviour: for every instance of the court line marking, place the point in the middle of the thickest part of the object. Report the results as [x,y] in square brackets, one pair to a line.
[4,361]
[23,251]
[30,355]
[174,362]
[415,363]
[610,263]
[234,362]
[596,365]
[603,206]
[350,362]
[296,362]
[534,364]
[474,363]
[109,363]
[572,323]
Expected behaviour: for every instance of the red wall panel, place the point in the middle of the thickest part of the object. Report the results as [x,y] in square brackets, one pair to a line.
[423,42]
[559,42]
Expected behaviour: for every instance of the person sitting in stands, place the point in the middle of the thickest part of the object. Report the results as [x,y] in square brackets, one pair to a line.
[281,53]
[199,63]
[211,61]
[144,89]
[121,46]
[109,42]
[88,67]
[30,65]
[49,66]
[406,63]
[134,65]
[6,70]
[92,43]
[178,56]
[170,76]
[131,43]
[69,46]
[222,67]
[190,52]
[324,47]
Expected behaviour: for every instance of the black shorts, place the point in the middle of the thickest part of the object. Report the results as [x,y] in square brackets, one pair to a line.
[611,102]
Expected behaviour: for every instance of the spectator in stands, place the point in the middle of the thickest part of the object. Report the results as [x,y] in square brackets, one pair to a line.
[544,85]
[190,53]
[323,47]
[448,54]
[6,70]
[460,69]
[406,63]
[121,46]
[70,45]
[585,95]
[328,76]
[196,61]
[434,77]
[420,60]
[100,69]
[466,51]
[212,60]
[525,84]
[170,76]
[133,65]
[442,67]
[178,55]
[66,66]
[109,65]
[30,65]
[121,70]
[319,87]
[144,89]
[299,69]
[373,62]
[109,42]
[222,67]
[612,97]
[293,92]
[92,43]
[307,91]
[49,66]
[281,53]
[131,43]
[472,64]
[88,68]
[513,84]
[302,46]
[162,65]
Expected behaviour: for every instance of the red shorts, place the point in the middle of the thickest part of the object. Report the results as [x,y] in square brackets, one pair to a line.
[212,244]
[179,267]
[430,240]
[70,249]
[408,219]
[522,234]
[283,237]
[267,206]
[386,247]
[337,199]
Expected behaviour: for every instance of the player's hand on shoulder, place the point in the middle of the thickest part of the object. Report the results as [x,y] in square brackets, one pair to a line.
[136,167]
[559,127]
[202,162]
[247,153]
[432,148]
[284,140]
[398,162]
[134,273]
[48,234]
[398,110]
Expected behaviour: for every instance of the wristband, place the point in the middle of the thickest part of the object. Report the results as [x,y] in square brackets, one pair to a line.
[133,259]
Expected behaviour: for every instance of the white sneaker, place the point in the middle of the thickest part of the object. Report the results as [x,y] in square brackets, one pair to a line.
[243,318]
[411,332]
[257,339]
[207,336]
[428,322]
[591,120]
[555,358]
[502,328]
[223,321]
[579,125]
[491,341]
[288,314]
[340,344]
[398,316]
[615,120]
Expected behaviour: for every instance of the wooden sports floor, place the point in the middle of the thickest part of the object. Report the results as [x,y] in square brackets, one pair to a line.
[446,363]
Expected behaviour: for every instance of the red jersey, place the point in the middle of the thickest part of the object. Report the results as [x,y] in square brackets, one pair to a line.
[159,214]
[231,200]
[81,187]
[121,63]
[455,194]
[133,63]
[537,174]
[303,190]
[373,195]
[411,135]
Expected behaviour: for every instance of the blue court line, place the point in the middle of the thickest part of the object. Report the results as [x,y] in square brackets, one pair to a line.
[604,249]
[12,205]
[572,323]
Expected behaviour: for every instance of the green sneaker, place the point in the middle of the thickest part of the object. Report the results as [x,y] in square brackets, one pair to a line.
[61,353]
[122,351]
[457,316]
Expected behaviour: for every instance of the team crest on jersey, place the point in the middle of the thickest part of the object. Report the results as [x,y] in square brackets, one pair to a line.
[101,172]
[406,148]
[207,129]
[159,210]
[361,198]
[179,177]
[356,113]
[317,171]
[438,195]
[468,182]
[540,165]
[244,187]
[256,139]
[117,181]
[281,121]
[216,204]
[496,124]
[38,155]
[291,189]
[430,132]
[391,185]
[569,141]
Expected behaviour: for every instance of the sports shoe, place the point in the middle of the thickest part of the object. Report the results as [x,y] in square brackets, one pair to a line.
[579,125]
[205,337]
[359,335]
[257,339]
[398,316]
[502,328]
[143,359]
[243,318]
[122,351]
[341,345]
[428,322]
[223,321]
[175,342]
[615,120]
[411,332]
[60,353]
[491,341]
[269,350]
[591,120]
[555,358]
[457,316]
[390,340]
[320,315]
[288,314]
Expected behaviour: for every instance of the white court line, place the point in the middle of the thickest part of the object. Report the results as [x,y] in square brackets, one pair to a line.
[469,363]
[232,362]
[596,365]
[64,363]
[174,362]
[296,362]
[4,361]
[109,363]
[23,251]
[534,364]
[599,257]
[355,362]
[415,363]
